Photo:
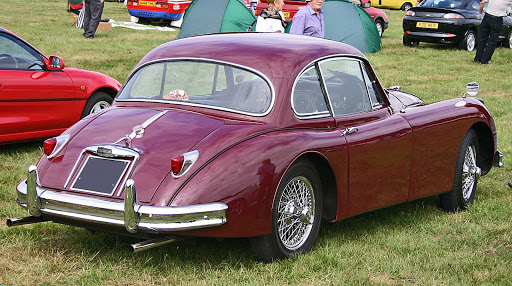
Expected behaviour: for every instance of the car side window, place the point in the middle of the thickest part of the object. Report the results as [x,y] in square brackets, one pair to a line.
[372,87]
[475,5]
[345,86]
[16,55]
[308,98]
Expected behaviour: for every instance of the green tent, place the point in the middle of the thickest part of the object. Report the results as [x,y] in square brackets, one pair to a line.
[215,16]
[350,24]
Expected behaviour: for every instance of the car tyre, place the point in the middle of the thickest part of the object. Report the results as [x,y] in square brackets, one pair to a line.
[466,176]
[508,41]
[296,215]
[410,43]
[380,27]
[406,6]
[96,102]
[469,41]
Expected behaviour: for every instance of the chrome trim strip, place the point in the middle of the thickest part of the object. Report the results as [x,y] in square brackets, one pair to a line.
[126,213]
[272,90]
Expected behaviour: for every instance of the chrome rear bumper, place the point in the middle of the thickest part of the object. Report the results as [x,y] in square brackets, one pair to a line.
[134,217]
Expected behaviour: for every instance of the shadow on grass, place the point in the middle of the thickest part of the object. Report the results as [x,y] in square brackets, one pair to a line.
[109,248]
[24,147]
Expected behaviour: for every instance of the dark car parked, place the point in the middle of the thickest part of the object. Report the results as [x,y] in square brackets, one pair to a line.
[450,22]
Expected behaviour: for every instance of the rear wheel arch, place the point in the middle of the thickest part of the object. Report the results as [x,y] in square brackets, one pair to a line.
[328,181]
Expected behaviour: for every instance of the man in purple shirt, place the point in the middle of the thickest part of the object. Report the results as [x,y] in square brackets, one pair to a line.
[309,20]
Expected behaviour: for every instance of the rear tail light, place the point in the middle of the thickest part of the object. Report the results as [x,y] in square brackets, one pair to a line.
[410,13]
[53,145]
[452,16]
[161,4]
[49,146]
[181,164]
[133,3]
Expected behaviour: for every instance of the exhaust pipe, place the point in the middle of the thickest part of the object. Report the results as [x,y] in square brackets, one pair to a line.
[152,243]
[24,220]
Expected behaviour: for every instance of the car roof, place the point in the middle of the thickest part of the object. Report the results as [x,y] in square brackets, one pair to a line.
[273,54]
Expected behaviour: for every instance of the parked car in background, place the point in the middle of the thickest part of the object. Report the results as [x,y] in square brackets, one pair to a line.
[291,7]
[40,97]
[209,138]
[403,5]
[146,11]
[449,22]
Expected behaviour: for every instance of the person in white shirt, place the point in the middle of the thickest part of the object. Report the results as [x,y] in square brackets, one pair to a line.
[490,28]
[271,18]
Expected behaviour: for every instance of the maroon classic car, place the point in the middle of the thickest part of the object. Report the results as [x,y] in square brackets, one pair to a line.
[209,137]
[40,97]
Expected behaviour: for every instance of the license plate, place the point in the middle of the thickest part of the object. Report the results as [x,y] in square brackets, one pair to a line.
[286,14]
[147,3]
[100,175]
[427,25]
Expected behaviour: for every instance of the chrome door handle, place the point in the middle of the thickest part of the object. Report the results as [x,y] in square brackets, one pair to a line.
[350,130]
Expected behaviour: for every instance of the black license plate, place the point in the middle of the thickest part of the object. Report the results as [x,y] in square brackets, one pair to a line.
[100,175]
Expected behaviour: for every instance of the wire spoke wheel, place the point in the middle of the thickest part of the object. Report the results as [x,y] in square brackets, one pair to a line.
[469,173]
[296,213]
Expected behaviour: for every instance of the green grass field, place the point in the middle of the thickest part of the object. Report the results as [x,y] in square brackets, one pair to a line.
[409,244]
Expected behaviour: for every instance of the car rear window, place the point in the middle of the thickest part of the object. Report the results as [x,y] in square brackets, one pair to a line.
[447,4]
[202,83]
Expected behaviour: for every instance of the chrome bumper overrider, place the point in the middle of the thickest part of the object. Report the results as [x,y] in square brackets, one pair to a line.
[498,159]
[134,217]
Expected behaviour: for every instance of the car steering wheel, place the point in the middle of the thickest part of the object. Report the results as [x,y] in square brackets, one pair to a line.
[9,57]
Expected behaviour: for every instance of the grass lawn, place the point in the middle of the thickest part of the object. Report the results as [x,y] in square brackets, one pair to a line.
[413,243]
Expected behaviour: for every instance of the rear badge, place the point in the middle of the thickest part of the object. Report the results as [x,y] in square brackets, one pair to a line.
[138,130]
[104,152]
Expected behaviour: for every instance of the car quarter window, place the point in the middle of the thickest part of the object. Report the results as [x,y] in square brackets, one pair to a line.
[16,55]
[345,83]
[308,99]
[197,82]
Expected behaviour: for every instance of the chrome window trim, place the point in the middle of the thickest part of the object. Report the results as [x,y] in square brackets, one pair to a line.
[360,72]
[335,56]
[260,74]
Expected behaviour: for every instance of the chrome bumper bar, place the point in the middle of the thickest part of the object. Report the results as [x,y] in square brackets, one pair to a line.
[134,217]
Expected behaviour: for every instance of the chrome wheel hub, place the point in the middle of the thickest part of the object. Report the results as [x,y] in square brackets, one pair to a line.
[470,173]
[296,213]
[471,42]
[100,106]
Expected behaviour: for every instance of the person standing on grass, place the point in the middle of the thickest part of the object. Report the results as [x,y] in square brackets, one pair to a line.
[490,28]
[309,20]
[92,17]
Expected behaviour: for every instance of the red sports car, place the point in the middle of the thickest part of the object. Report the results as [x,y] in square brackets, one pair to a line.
[291,7]
[40,97]
[208,137]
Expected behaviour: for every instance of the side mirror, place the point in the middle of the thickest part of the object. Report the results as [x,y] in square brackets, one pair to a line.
[472,88]
[365,4]
[55,63]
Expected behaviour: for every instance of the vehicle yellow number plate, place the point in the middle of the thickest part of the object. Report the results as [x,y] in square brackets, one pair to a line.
[147,3]
[427,25]
[286,14]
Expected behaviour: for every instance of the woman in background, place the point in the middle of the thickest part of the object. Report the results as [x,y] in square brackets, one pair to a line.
[271,18]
